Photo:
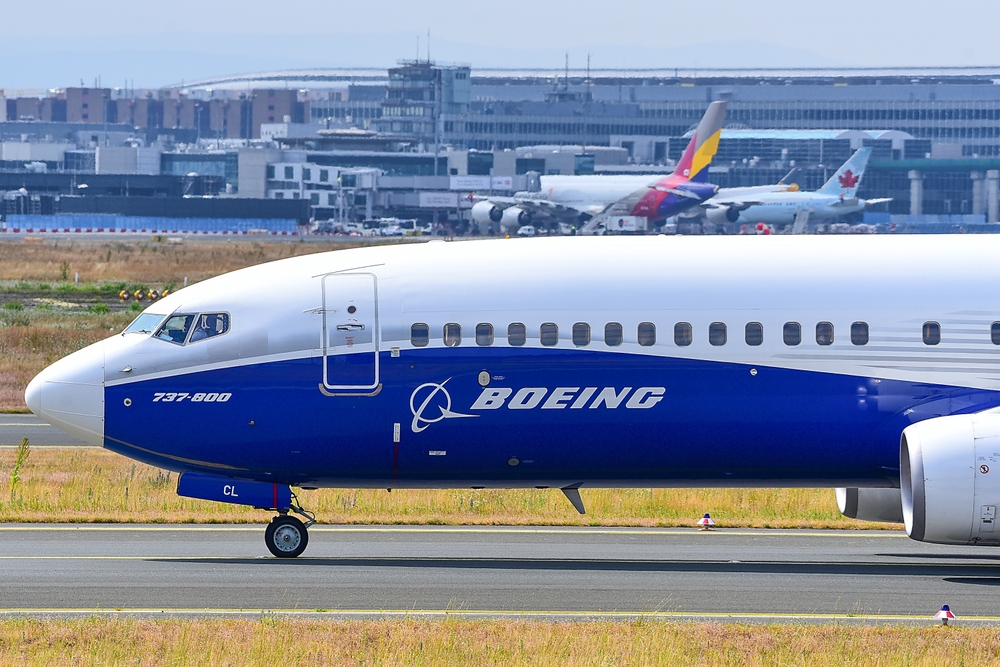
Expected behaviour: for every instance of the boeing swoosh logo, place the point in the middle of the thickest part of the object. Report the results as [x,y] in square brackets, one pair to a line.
[434,390]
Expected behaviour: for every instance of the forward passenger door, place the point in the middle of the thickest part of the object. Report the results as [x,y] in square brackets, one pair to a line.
[350,332]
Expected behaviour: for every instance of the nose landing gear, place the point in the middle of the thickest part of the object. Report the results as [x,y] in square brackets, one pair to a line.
[286,536]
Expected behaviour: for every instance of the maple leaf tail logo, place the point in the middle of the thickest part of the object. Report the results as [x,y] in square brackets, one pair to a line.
[848,180]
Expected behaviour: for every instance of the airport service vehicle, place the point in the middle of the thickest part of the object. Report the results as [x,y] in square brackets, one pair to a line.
[581,201]
[837,197]
[868,363]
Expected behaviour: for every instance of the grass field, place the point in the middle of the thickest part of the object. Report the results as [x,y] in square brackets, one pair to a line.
[56,262]
[276,641]
[94,485]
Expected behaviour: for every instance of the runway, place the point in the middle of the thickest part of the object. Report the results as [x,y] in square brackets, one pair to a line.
[757,575]
[39,434]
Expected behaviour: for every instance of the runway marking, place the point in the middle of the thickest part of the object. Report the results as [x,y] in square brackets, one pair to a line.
[486,530]
[501,613]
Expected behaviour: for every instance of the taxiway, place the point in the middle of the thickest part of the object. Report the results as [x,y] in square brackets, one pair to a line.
[535,572]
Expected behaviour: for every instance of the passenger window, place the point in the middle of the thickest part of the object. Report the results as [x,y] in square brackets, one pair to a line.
[791,333]
[549,334]
[484,334]
[581,334]
[682,334]
[932,333]
[516,334]
[175,329]
[717,333]
[994,332]
[754,333]
[420,335]
[646,334]
[452,334]
[209,325]
[824,333]
[859,333]
[613,334]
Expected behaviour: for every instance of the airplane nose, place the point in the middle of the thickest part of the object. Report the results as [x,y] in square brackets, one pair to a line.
[69,394]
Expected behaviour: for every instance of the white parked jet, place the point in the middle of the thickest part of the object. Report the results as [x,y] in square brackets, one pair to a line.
[837,197]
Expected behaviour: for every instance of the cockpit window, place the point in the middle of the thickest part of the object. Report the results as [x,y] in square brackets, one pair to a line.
[144,324]
[175,329]
[208,325]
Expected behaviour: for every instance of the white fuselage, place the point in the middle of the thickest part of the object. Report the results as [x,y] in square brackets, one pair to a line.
[781,208]
[593,194]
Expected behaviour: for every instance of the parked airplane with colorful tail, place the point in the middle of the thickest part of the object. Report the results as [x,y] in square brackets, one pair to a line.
[866,363]
[578,203]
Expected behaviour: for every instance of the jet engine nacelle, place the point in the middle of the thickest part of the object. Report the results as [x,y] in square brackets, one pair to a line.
[485,212]
[722,215]
[515,217]
[950,479]
[884,505]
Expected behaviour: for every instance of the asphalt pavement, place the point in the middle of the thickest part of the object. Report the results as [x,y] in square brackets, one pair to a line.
[757,575]
[15,427]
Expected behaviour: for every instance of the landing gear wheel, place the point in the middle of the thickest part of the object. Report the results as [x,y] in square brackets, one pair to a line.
[286,536]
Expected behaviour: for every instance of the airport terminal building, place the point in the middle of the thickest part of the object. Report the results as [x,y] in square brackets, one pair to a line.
[935,132]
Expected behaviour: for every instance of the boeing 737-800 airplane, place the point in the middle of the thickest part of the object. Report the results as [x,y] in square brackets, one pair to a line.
[867,363]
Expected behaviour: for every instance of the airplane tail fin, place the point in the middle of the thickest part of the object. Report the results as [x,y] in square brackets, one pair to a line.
[704,144]
[847,179]
[791,178]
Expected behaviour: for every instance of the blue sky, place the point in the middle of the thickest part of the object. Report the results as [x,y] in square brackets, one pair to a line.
[54,43]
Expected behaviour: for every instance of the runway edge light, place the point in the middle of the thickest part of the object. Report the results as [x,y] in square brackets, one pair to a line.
[706,522]
[944,615]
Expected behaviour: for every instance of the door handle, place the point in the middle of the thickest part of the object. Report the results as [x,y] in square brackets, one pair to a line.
[350,327]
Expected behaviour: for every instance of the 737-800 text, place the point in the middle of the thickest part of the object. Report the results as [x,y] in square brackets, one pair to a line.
[200,397]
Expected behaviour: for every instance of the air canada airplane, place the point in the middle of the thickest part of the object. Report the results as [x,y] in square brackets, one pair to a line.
[837,197]
[871,364]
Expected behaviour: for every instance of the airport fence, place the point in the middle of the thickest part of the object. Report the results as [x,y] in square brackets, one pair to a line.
[61,223]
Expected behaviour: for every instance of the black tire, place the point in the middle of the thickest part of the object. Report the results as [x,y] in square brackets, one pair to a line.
[286,537]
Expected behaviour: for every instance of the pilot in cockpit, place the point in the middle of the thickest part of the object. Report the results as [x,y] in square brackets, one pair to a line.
[202,330]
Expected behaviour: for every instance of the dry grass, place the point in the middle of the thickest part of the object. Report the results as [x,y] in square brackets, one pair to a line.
[276,641]
[94,485]
[31,339]
[142,261]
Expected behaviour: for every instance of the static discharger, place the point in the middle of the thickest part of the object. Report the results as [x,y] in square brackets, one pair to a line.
[944,615]
[706,522]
